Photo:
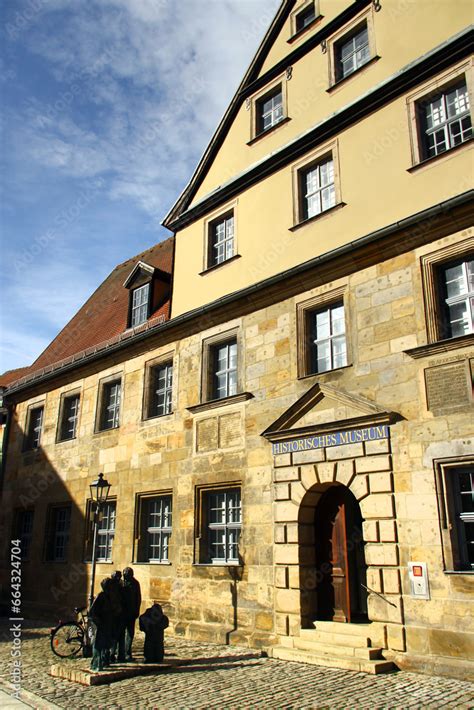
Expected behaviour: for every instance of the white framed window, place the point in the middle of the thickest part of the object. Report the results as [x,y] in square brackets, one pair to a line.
[457,284]
[305,17]
[34,427]
[224,369]
[455,491]
[221,239]
[140,305]
[317,188]
[58,530]
[110,405]
[269,110]
[161,389]
[106,532]
[69,417]
[444,119]
[328,338]
[155,517]
[224,525]
[352,52]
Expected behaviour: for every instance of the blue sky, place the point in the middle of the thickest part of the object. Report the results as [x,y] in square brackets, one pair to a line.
[107,107]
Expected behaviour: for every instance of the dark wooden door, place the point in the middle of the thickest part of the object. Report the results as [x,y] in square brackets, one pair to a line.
[338,556]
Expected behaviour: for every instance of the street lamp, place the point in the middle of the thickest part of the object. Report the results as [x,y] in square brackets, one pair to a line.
[99,493]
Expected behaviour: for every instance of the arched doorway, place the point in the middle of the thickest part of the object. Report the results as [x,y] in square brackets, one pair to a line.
[340,561]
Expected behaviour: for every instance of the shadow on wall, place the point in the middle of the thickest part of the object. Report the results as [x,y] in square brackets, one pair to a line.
[37,509]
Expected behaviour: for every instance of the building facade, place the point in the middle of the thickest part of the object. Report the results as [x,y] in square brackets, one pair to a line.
[289,437]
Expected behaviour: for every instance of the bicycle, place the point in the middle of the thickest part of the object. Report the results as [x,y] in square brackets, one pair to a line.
[69,638]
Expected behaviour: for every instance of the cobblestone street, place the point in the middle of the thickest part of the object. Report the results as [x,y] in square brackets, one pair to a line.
[206,675]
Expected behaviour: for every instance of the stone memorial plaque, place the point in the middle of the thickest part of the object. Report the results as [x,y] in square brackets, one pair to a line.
[206,435]
[230,430]
[449,387]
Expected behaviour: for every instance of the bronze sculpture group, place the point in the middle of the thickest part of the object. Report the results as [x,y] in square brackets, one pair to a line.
[113,614]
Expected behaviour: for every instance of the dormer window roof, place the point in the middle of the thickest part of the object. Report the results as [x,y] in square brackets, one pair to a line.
[148,288]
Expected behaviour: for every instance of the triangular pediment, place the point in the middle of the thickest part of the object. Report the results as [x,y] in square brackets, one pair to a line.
[325,408]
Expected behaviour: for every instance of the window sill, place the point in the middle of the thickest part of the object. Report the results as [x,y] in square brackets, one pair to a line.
[303,30]
[339,82]
[215,403]
[66,441]
[441,346]
[315,217]
[440,156]
[106,431]
[218,565]
[458,571]
[269,130]
[152,419]
[99,562]
[326,372]
[217,266]
[165,563]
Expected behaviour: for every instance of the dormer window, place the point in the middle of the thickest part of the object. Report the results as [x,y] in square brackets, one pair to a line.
[140,303]
[149,289]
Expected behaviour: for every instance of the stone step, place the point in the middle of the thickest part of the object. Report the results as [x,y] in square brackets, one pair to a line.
[337,649]
[338,627]
[327,637]
[345,662]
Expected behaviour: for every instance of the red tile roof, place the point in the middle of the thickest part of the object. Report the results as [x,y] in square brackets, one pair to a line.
[103,318]
[12,375]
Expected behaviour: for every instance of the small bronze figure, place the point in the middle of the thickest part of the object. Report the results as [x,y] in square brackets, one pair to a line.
[153,622]
[101,615]
[131,600]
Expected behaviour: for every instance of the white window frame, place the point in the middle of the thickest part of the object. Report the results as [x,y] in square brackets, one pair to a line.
[34,427]
[111,405]
[452,518]
[58,535]
[221,248]
[161,532]
[68,421]
[446,122]
[347,32]
[319,191]
[300,170]
[166,391]
[357,61]
[275,113]
[330,340]
[24,532]
[416,101]
[224,533]
[228,372]
[106,530]
[466,296]
[140,305]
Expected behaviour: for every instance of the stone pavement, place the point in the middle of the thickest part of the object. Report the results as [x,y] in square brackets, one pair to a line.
[205,675]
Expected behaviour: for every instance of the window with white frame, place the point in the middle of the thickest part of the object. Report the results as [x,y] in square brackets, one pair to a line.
[224,369]
[34,427]
[223,520]
[352,52]
[317,188]
[328,338]
[58,533]
[457,289]
[106,531]
[110,405]
[455,492]
[444,119]
[24,531]
[69,417]
[160,389]
[139,305]
[221,239]
[155,525]
[269,110]
[305,17]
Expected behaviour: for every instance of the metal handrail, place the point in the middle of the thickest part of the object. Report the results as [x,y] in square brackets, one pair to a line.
[378,594]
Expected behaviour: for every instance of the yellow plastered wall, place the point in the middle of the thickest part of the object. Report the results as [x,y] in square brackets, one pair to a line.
[404,30]
[376,187]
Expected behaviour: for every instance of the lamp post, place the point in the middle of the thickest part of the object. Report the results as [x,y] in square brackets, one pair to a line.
[99,493]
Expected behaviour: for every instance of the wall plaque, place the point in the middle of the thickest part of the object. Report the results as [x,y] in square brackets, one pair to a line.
[448,387]
[337,438]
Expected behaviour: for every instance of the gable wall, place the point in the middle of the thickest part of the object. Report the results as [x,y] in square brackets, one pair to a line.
[308,99]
